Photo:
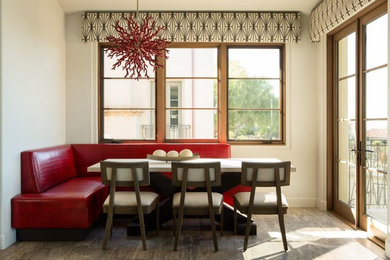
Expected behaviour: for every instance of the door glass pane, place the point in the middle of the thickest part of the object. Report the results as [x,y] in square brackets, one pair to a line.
[376,42]
[347,183]
[375,120]
[346,97]
[376,93]
[346,60]
[346,123]
[375,172]
[347,141]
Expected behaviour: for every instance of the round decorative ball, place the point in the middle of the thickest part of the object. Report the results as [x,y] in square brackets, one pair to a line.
[186,153]
[172,154]
[160,153]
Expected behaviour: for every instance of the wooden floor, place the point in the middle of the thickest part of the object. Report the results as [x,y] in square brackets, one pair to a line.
[312,234]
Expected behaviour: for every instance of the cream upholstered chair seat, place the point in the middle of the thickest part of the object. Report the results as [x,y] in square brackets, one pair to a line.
[263,203]
[126,202]
[196,203]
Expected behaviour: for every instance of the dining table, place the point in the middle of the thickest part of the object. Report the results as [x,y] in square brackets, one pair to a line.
[160,181]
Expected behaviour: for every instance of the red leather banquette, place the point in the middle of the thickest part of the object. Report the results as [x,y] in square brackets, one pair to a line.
[60,200]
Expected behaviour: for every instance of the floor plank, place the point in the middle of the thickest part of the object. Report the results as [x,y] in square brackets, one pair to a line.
[311,234]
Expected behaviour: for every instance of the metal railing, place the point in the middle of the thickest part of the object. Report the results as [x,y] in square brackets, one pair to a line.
[173,131]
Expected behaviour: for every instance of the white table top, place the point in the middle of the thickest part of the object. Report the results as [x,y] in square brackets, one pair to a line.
[227,165]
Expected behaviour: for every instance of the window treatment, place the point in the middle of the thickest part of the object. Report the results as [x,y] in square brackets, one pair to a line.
[204,26]
[330,13]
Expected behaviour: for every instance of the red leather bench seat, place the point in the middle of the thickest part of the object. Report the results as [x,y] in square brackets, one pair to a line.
[59,194]
[75,203]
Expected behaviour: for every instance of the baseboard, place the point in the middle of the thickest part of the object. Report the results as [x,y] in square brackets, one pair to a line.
[7,240]
[321,204]
[52,234]
[302,202]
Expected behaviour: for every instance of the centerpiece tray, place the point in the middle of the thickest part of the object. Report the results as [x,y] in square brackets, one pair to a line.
[168,158]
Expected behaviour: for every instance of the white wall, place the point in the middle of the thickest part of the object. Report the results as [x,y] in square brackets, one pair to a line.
[302,108]
[81,84]
[32,90]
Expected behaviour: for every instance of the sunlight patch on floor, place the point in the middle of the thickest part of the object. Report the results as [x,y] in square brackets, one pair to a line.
[352,250]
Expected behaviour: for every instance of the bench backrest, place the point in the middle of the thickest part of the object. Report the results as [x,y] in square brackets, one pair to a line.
[44,168]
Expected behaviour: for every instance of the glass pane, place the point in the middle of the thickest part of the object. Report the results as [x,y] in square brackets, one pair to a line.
[376,194]
[194,62]
[346,141]
[191,124]
[254,63]
[129,124]
[347,183]
[376,144]
[376,93]
[191,93]
[249,93]
[346,98]
[254,125]
[119,72]
[129,93]
[346,61]
[376,42]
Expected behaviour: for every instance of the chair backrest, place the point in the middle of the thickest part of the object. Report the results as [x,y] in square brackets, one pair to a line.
[267,173]
[196,174]
[125,173]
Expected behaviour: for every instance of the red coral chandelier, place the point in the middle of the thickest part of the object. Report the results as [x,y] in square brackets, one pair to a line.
[137,46]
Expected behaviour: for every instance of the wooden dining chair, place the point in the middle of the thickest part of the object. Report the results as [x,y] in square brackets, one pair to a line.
[134,174]
[196,203]
[257,174]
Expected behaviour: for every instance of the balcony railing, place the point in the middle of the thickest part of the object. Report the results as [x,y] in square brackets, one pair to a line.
[173,131]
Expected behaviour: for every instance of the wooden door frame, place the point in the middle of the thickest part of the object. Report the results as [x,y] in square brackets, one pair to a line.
[370,13]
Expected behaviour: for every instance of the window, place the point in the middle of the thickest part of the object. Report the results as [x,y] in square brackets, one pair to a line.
[191,84]
[205,93]
[128,105]
[254,94]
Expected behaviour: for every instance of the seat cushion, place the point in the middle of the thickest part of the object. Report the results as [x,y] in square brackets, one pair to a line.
[75,203]
[196,203]
[125,202]
[264,202]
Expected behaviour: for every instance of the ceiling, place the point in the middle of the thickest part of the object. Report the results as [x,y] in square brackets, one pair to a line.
[304,6]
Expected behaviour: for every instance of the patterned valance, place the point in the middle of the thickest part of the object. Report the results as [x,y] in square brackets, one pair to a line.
[204,26]
[330,13]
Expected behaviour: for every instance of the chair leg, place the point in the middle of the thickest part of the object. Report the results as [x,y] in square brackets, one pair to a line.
[222,221]
[158,219]
[108,228]
[283,230]
[174,223]
[247,229]
[235,220]
[142,227]
[178,228]
[212,223]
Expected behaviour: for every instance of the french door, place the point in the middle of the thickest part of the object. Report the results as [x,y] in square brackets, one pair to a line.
[360,121]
